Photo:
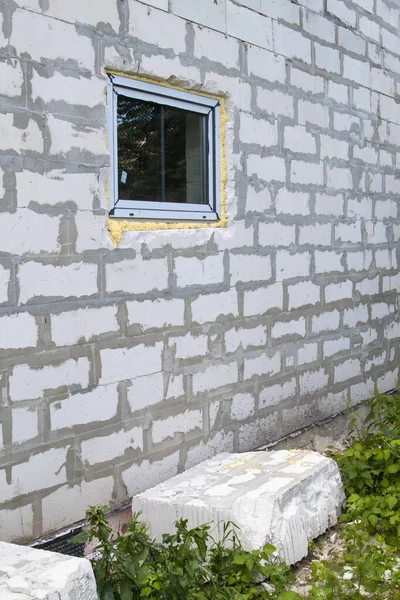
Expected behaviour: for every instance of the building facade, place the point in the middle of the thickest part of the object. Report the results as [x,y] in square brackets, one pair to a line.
[133,348]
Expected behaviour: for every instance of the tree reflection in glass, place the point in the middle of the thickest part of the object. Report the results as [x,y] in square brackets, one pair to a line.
[161,153]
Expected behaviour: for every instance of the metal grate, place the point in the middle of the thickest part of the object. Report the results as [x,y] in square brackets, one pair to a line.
[63,545]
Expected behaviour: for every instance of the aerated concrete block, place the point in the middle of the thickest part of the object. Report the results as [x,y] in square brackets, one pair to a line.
[30,574]
[281,497]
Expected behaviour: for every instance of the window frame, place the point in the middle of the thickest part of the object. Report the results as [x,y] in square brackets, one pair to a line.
[159,94]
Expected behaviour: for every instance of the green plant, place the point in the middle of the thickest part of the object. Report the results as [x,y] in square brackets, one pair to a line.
[370,468]
[188,564]
[369,564]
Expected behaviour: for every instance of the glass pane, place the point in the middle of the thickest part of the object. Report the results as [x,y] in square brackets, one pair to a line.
[139,150]
[161,153]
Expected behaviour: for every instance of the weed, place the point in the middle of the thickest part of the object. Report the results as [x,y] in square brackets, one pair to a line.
[190,565]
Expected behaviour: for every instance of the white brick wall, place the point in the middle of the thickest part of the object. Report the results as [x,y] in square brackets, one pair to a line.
[77,498]
[307,354]
[11,79]
[49,39]
[276,234]
[297,140]
[270,168]
[275,103]
[292,203]
[154,26]
[327,59]
[247,267]
[56,187]
[156,313]
[206,40]
[262,365]
[275,394]
[338,291]
[294,327]
[312,381]
[291,43]
[257,131]
[84,91]
[245,338]
[146,473]
[248,26]
[332,347]
[46,280]
[329,205]
[182,423]
[207,14]
[17,520]
[28,383]
[354,316]
[311,112]
[303,294]
[66,136]
[306,173]
[347,370]
[192,271]
[265,64]
[4,280]
[306,82]
[137,276]
[179,343]
[152,389]
[316,235]
[27,139]
[18,331]
[102,449]
[214,376]
[328,321]
[91,14]
[211,306]
[189,346]
[258,302]
[368,286]
[292,265]
[119,364]
[318,26]
[242,407]
[83,324]
[78,409]
[49,464]
[25,424]
[328,261]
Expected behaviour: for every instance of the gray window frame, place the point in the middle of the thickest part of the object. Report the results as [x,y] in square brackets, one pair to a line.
[171,211]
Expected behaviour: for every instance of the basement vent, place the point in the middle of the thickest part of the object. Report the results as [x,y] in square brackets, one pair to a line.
[62,544]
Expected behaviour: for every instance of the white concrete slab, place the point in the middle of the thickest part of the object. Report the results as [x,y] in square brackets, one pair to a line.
[279,497]
[30,574]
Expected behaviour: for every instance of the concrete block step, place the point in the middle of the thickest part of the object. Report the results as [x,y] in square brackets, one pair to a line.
[283,497]
[30,574]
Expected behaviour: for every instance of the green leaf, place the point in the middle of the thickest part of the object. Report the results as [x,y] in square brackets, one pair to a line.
[353,498]
[289,596]
[391,501]
[239,559]
[126,592]
[373,519]
[249,564]
[80,538]
[393,468]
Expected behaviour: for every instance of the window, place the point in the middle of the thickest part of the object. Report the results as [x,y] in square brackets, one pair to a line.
[164,146]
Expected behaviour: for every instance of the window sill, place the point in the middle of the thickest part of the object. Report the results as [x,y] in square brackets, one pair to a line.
[117,227]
